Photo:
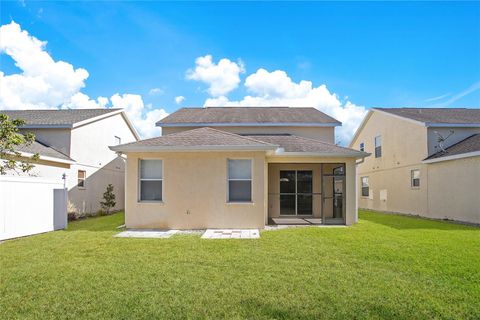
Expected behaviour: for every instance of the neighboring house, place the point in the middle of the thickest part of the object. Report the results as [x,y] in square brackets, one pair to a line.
[240,167]
[76,143]
[424,162]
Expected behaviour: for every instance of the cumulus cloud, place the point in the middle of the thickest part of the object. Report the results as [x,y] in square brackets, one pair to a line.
[179,99]
[44,83]
[221,77]
[278,89]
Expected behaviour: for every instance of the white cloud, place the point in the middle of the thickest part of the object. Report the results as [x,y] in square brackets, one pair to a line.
[179,99]
[221,78]
[135,109]
[277,89]
[44,83]
[156,91]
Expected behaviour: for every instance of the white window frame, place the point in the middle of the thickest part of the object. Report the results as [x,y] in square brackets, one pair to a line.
[84,179]
[362,146]
[118,140]
[361,186]
[412,179]
[139,195]
[379,146]
[251,182]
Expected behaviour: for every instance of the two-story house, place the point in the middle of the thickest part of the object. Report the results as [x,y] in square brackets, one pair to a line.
[74,145]
[240,167]
[425,161]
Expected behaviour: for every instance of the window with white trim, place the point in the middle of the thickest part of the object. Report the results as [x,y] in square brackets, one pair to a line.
[82,176]
[239,180]
[151,180]
[378,146]
[415,178]
[362,146]
[365,187]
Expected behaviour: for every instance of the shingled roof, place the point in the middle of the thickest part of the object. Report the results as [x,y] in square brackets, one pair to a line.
[43,150]
[296,144]
[468,145]
[56,118]
[196,139]
[214,116]
[431,116]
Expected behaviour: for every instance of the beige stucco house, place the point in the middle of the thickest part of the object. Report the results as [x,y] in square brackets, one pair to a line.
[240,167]
[424,162]
[75,144]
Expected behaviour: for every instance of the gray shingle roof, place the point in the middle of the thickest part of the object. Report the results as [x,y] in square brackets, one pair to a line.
[292,143]
[470,144]
[437,115]
[64,117]
[43,150]
[202,138]
[247,115]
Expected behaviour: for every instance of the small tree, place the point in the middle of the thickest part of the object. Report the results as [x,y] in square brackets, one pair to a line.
[10,140]
[109,199]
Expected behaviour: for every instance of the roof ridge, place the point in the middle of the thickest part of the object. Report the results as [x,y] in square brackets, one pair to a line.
[236,135]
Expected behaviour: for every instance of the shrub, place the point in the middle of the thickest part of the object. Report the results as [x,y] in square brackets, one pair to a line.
[109,199]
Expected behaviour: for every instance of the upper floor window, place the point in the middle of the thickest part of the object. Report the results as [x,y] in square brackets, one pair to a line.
[240,180]
[362,146]
[378,146]
[82,176]
[151,180]
[365,187]
[415,178]
[118,140]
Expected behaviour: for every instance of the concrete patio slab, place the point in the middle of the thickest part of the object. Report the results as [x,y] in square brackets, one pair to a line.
[159,234]
[231,234]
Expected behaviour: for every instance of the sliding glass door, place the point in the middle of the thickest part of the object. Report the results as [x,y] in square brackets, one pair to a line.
[296,192]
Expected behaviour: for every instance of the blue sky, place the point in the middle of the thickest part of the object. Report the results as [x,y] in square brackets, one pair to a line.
[371,54]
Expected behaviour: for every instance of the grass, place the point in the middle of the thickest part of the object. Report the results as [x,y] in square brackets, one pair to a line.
[384,267]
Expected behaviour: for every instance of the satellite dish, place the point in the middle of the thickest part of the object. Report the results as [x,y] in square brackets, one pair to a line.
[441,139]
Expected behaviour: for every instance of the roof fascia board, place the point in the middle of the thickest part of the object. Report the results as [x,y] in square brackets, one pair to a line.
[321,154]
[190,149]
[131,126]
[456,125]
[47,158]
[248,124]
[46,126]
[454,157]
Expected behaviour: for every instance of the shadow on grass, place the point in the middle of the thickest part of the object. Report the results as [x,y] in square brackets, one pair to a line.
[253,308]
[402,222]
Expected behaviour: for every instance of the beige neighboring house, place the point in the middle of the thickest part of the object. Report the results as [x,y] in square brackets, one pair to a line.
[240,167]
[75,143]
[424,162]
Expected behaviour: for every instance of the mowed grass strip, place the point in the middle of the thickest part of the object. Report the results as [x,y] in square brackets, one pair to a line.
[384,267]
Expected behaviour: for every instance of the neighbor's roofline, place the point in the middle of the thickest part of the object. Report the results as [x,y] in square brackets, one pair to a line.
[247,124]
[453,157]
[46,158]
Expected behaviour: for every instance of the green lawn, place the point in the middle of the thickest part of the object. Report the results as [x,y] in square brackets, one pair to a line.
[384,267]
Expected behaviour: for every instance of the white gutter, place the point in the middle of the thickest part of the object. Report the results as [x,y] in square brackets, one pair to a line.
[453,157]
[248,124]
[282,153]
[47,158]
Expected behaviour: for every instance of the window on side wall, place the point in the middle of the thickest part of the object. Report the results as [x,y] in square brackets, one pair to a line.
[239,180]
[362,146]
[415,178]
[378,146]
[365,187]
[82,176]
[151,180]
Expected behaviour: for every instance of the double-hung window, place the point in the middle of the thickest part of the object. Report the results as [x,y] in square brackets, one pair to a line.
[378,146]
[82,176]
[365,187]
[239,180]
[362,146]
[415,178]
[151,180]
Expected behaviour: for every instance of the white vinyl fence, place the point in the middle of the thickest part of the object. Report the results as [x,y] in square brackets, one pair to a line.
[31,205]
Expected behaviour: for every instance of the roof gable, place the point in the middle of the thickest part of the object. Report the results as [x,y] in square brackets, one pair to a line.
[251,116]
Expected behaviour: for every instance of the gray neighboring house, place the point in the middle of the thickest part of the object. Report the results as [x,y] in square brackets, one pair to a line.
[76,143]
